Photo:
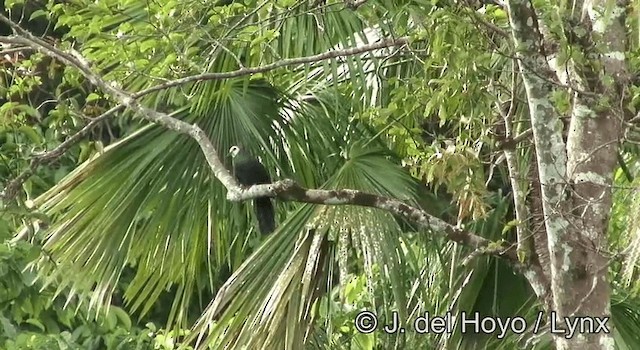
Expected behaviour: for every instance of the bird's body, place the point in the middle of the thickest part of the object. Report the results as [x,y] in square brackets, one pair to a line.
[249,171]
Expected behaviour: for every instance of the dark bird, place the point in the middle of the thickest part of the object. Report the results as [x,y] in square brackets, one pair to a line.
[249,171]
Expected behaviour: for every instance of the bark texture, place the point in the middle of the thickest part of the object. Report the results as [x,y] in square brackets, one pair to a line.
[572,183]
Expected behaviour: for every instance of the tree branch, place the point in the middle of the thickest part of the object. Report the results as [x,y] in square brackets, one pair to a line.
[387,42]
[478,18]
[12,187]
[550,152]
[13,50]
[74,59]
[285,189]
[288,190]
[515,176]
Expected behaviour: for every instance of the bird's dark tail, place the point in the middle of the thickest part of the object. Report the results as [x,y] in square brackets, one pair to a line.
[265,215]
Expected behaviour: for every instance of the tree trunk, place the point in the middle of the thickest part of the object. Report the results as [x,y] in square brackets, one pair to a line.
[575,178]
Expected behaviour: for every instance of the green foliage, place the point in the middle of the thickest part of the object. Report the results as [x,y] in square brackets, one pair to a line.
[131,227]
[32,319]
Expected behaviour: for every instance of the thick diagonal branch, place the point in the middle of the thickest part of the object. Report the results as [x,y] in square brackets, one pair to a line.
[286,189]
[12,187]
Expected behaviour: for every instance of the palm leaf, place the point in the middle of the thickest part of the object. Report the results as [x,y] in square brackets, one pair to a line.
[288,274]
[150,202]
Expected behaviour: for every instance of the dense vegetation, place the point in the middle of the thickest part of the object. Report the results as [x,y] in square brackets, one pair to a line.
[119,231]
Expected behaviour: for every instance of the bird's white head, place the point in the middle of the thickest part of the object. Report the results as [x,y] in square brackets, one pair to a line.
[234,150]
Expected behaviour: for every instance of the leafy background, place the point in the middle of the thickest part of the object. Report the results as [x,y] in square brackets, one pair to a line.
[124,241]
